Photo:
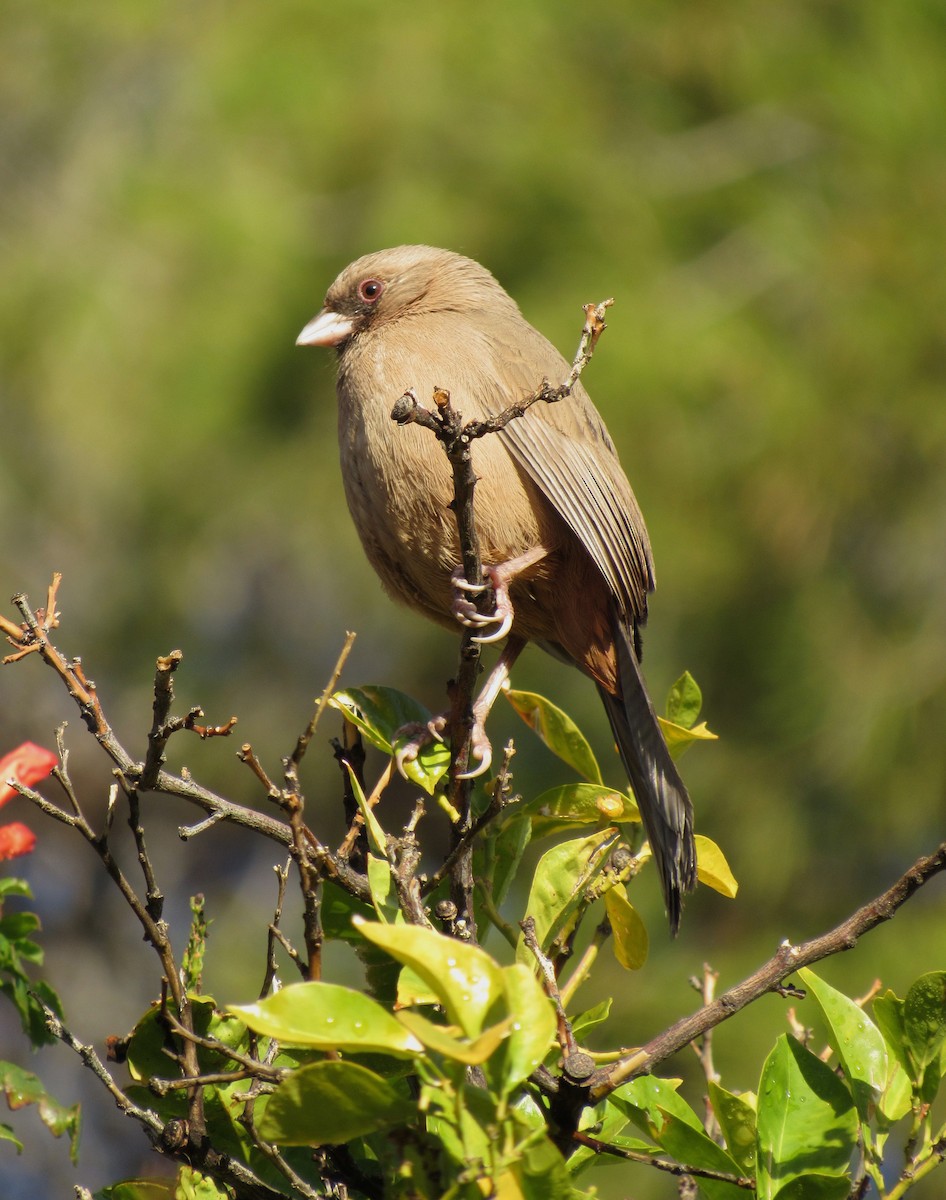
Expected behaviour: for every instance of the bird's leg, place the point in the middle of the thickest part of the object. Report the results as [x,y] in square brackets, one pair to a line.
[480,749]
[500,576]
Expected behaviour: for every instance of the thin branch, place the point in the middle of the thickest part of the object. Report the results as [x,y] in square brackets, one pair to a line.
[770,975]
[672,1168]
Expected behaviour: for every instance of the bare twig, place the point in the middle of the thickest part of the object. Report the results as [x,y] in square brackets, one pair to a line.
[770,975]
[672,1168]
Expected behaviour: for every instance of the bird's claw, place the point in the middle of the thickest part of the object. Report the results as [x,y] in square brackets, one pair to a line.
[481,750]
[465,610]
[418,735]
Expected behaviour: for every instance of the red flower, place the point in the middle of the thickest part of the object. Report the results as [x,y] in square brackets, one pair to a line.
[27,764]
[15,839]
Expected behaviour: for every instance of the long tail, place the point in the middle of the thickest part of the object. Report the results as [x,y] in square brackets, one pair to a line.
[660,792]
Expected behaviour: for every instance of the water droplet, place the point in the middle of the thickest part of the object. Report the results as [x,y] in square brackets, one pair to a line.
[359,1025]
[451,962]
[329,1020]
[516,1027]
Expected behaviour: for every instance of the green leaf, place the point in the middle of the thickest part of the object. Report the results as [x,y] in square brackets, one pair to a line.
[807,1122]
[812,1186]
[559,883]
[684,701]
[7,1135]
[441,1039]
[329,1103]
[327,1016]
[924,1018]
[654,1106]
[533,1027]
[737,1120]
[558,731]
[194,1185]
[679,738]
[713,869]
[576,804]
[146,1052]
[377,839]
[380,713]
[605,1121]
[645,1099]
[538,1173]
[504,852]
[22,1088]
[630,936]
[381,886]
[859,1043]
[139,1189]
[464,978]
[11,886]
[590,1018]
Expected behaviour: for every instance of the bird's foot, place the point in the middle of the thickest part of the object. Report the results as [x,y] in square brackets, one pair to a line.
[420,735]
[465,610]
[417,735]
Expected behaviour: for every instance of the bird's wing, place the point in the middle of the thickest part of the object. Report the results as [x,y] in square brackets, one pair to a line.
[567,452]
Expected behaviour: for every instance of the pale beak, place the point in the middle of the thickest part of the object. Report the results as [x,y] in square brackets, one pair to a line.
[327,329]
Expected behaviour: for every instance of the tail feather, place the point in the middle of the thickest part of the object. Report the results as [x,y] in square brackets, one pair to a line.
[660,792]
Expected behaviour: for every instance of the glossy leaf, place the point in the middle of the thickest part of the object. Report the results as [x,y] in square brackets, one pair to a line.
[807,1122]
[737,1120]
[442,1039]
[558,731]
[463,977]
[713,869]
[897,1098]
[377,839]
[812,1186]
[559,882]
[381,886]
[505,850]
[654,1105]
[627,929]
[678,738]
[646,1098]
[859,1043]
[576,804]
[326,1016]
[924,1017]
[533,1026]
[140,1189]
[590,1018]
[379,713]
[329,1103]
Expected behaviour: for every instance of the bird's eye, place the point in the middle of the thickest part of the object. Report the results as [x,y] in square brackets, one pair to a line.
[369,290]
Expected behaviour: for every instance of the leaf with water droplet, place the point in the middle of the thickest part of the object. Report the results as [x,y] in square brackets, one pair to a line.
[807,1122]
[736,1116]
[327,1016]
[464,978]
[857,1040]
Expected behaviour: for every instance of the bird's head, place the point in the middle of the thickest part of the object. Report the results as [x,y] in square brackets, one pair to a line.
[404,282]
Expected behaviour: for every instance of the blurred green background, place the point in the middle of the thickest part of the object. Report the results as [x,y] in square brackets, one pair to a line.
[762,187]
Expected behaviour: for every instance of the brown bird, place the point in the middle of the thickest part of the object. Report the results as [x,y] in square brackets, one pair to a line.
[559,527]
